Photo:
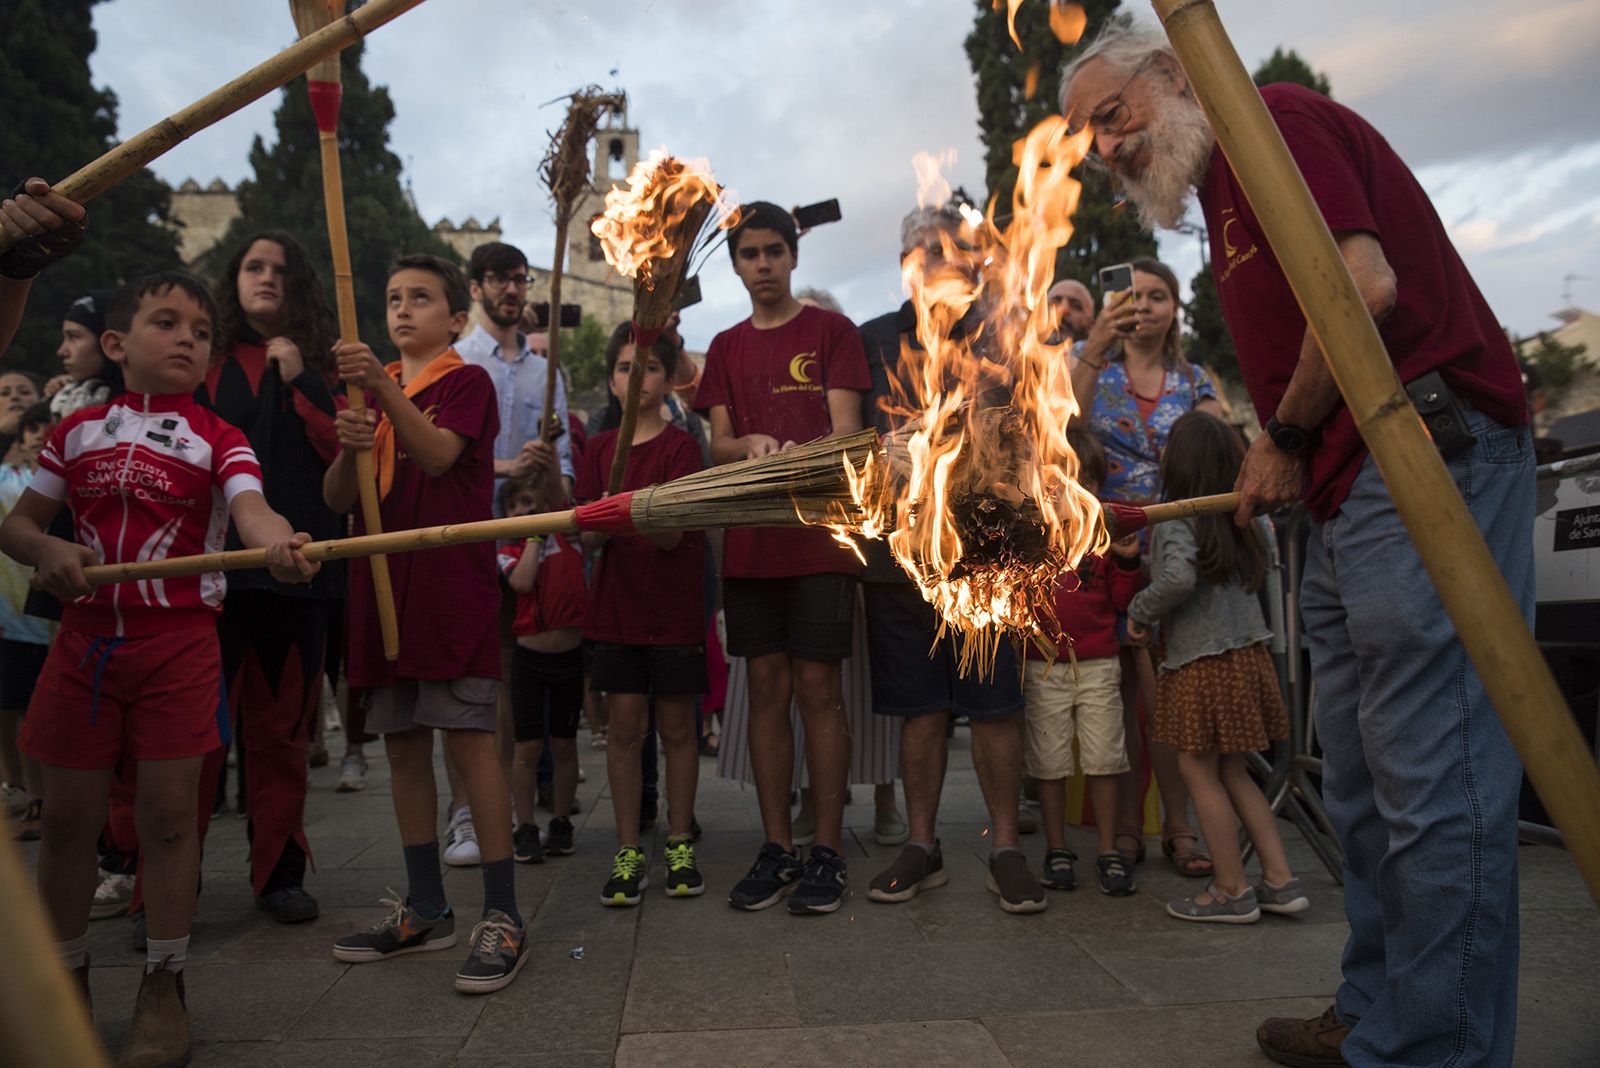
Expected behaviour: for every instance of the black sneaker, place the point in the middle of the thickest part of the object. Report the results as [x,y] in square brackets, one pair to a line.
[823,885]
[628,878]
[499,950]
[1010,878]
[289,905]
[912,872]
[774,874]
[403,931]
[683,878]
[525,847]
[1115,878]
[1058,873]
[558,841]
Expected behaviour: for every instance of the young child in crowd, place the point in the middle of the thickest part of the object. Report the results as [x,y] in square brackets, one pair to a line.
[18,393]
[87,377]
[431,428]
[646,623]
[24,639]
[1060,708]
[546,573]
[136,670]
[1217,694]
[787,374]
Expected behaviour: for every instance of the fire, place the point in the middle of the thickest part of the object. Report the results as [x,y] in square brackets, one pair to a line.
[659,213]
[978,491]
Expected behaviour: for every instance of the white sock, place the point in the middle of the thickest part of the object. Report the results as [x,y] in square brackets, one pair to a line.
[74,952]
[168,953]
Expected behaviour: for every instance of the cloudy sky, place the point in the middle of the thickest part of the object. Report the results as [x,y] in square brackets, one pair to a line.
[1493,104]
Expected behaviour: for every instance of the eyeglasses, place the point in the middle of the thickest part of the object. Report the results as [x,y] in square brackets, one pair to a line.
[501,281]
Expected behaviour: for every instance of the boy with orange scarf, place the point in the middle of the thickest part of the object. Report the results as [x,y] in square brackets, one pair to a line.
[431,425]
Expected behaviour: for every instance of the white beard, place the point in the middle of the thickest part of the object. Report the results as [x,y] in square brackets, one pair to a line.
[1178,165]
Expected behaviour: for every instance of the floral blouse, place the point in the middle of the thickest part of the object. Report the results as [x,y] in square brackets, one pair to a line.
[1133,447]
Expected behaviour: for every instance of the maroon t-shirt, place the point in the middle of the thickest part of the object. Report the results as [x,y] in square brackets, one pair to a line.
[640,594]
[776,382]
[447,600]
[1440,320]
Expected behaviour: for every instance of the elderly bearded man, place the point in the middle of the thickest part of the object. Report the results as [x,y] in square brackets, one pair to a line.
[1419,777]
[1074,311]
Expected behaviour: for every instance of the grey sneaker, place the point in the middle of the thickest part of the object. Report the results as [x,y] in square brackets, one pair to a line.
[352,773]
[1018,889]
[912,872]
[499,950]
[1285,900]
[1220,909]
[403,931]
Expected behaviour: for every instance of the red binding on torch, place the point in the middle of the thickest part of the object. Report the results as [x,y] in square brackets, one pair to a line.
[645,336]
[325,97]
[610,515]
[1124,519]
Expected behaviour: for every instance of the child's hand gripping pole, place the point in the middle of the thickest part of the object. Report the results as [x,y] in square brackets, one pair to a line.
[325,89]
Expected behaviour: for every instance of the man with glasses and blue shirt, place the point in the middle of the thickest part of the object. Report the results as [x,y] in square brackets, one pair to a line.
[498,279]
[1419,777]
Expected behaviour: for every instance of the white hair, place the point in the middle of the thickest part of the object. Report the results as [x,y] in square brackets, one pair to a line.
[920,220]
[1122,44]
[819,297]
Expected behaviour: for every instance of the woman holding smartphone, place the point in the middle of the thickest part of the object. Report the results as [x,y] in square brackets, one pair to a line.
[1135,384]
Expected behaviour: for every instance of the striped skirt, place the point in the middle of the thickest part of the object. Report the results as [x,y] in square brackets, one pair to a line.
[874,740]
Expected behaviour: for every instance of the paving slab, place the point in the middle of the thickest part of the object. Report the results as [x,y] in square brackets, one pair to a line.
[346,1053]
[669,993]
[560,1009]
[929,1044]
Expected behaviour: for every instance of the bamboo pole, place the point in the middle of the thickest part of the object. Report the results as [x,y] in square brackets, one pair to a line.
[90,181]
[325,88]
[43,1020]
[552,425]
[1468,581]
[630,412]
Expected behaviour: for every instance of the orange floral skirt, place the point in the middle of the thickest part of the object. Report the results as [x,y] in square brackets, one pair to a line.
[1229,703]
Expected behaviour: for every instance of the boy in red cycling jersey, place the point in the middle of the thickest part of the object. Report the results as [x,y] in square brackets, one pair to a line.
[136,668]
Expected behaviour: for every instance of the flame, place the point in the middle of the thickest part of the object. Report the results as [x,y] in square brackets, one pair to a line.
[978,491]
[1067,21]
[644,219]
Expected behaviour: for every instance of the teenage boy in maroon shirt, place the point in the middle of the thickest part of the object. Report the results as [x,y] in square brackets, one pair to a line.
[786,375]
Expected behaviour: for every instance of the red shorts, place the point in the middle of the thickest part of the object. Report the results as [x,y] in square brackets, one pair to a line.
[151,698]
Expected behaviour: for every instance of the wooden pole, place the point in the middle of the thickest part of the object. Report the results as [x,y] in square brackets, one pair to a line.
[552,426]
[630,413]
[1487,617]
[128,157]
[43,1020]
[326,89]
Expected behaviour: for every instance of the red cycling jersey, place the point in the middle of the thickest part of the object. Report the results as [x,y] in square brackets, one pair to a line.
[559,592]
[147,477]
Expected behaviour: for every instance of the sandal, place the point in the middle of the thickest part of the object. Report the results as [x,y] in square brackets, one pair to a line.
[1136,856]
[1194,862]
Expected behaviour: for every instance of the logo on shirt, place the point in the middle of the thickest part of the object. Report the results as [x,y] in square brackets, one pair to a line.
[112,424]
[1234,258]
[803,375]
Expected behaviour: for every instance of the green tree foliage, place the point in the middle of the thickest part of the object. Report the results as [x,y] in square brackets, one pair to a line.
[286,194]
[1287,66]
[56,121]
[583,354]
[1558,364]
[1104,233]
[1209,342]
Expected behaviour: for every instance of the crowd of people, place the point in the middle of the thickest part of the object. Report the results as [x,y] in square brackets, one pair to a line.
[192,417]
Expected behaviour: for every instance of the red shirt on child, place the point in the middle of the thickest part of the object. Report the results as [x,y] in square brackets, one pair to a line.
[776,382]
[445,599]
[1088,602]
[558,594]
[642,595]
[147,477]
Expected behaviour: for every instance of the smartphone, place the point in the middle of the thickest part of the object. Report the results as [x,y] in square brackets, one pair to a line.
[1116,279]
[571,315]
[824,211]
[688,293]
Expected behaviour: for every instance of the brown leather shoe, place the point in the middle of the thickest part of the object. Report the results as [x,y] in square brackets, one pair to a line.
[160,1034]
[1304,1043]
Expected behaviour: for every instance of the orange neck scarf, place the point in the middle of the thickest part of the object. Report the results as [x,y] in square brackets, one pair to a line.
[384,453]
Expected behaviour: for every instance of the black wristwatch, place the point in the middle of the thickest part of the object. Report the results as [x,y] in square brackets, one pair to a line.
[1293,440]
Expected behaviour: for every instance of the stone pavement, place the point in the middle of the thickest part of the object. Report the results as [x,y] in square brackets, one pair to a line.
[947,979]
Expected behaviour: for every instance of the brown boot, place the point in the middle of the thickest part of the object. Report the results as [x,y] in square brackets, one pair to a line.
[159,1037]
[1304,1043]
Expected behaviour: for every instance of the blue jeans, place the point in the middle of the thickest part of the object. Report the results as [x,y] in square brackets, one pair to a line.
[1419,778]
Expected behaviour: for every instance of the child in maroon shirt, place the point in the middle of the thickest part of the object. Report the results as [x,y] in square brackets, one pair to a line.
[546,574]
[786,375]
[433,448]
[646,620]
[1083,700]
